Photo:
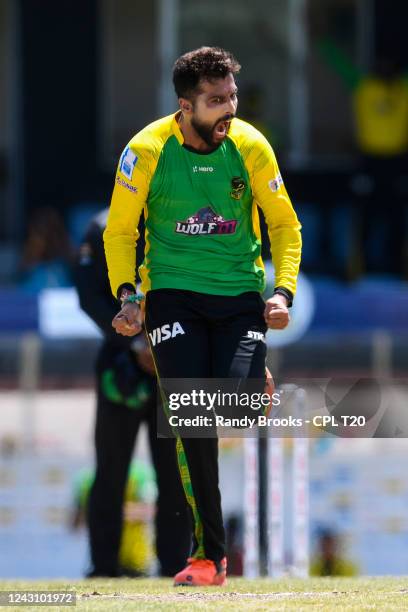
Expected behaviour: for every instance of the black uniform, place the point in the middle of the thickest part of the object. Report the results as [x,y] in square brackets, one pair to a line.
[126,396]
[221,337]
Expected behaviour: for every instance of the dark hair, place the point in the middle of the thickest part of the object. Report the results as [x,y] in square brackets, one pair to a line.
[205,63]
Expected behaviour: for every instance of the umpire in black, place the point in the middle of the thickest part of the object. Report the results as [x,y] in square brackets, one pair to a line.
[126,396]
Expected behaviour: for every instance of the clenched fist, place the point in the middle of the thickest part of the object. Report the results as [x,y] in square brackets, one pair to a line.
[128,321]
[276,312]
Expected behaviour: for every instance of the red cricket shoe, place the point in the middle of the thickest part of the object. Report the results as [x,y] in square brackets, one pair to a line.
[202,572]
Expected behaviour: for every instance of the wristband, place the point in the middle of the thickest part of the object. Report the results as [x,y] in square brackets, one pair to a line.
[124,289]
[132,298]
[286,293]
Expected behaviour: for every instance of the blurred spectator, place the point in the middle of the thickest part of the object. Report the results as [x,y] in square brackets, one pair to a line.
[136,551]
[328,560]
[380,108]
[126,397]
[47,253]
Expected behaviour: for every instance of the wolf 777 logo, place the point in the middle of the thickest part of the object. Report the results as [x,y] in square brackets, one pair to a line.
[205,222]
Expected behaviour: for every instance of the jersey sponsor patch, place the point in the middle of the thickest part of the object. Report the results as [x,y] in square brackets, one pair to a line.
[165,332]
[255,335]
[126,185]
[205,222]
[276,183]
[203,169]
[128,162]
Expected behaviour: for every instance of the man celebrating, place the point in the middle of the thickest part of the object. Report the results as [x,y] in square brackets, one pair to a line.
[199,176]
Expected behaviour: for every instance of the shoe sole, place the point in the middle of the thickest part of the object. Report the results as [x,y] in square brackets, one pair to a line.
[195,584]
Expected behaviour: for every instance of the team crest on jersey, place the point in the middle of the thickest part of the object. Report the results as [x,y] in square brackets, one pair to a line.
[128,162]
[238,187]
[205,222]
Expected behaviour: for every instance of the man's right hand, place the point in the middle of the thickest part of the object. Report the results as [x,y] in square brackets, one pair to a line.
[128,321]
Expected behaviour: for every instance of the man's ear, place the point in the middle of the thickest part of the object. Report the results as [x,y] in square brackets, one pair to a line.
[185,106]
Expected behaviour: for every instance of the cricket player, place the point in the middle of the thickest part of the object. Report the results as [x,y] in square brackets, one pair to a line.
[199,175]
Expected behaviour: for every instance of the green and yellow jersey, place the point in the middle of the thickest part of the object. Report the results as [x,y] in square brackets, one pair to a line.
[381,116]
[201,215]
[380,105]
[136,550]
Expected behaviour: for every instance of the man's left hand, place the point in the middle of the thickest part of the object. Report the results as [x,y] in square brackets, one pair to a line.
[276,312]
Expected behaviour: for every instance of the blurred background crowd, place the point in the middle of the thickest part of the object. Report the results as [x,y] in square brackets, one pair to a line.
[326,81]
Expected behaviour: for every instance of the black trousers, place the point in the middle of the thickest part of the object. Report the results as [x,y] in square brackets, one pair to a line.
[214,343]
[115,434]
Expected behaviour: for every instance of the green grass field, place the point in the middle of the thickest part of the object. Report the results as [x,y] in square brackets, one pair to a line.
[240,594]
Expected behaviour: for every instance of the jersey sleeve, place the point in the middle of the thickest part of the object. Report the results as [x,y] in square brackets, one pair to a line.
[283,225]
[128,200]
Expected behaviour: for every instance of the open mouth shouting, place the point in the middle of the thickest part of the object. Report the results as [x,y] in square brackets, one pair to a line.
[214,133]
[221,128]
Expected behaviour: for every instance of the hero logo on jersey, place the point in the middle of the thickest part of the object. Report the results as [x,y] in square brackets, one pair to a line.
[276,183]
[205,222]
[203,169]
[128,163]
